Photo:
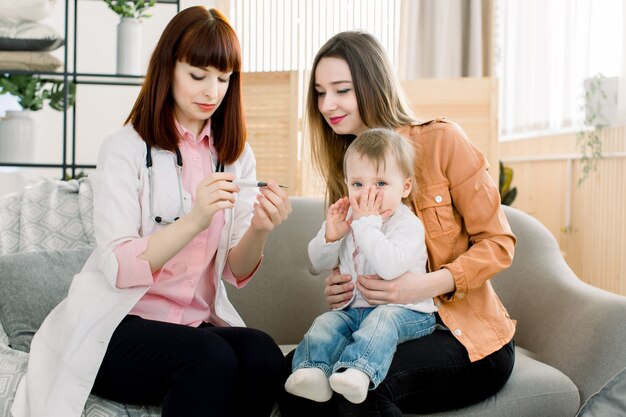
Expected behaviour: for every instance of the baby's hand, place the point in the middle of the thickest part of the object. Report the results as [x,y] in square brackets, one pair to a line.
[367,203]
[336,224]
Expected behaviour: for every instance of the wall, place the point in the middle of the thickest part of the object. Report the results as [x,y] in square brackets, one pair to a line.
[470,102]
[588,221]
[271,107]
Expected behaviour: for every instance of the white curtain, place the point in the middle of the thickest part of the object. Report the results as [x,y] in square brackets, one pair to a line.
[441,39]
[543,61]
[547,48]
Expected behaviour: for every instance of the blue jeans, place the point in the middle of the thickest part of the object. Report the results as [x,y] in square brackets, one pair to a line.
[361,338]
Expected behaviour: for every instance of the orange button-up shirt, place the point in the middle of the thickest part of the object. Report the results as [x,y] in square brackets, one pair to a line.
[466,232]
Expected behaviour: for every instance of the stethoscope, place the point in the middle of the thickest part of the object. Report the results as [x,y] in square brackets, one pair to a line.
[219,167]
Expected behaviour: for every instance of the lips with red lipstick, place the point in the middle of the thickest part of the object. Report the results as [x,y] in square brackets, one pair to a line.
[206,107]
[335,120]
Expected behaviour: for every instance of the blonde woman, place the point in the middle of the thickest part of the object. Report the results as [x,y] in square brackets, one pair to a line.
[352,89]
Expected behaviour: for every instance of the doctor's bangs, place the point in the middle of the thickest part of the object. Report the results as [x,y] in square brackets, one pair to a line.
[211,43]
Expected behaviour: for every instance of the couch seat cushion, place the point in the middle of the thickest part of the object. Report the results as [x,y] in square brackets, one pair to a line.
[534,389]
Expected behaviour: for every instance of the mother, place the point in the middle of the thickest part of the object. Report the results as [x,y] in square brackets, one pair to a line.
[471,356]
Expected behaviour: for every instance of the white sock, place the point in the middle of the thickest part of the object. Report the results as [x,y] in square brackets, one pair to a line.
[310,383]
[351,383]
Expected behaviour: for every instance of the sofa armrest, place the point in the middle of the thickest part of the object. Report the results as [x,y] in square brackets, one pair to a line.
[565,322]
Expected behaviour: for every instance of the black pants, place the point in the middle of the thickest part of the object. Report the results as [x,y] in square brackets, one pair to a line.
[204,371]
[427,375]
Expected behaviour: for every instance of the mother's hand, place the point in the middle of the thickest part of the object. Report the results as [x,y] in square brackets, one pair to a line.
[406,289]
[338,289]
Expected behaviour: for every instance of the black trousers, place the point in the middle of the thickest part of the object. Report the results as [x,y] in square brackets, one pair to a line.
[427,375]
[192,372]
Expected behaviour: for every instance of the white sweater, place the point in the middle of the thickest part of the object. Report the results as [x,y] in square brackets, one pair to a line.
[385,248]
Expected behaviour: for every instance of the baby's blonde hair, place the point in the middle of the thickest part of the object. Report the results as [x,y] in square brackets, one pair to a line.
[375,144]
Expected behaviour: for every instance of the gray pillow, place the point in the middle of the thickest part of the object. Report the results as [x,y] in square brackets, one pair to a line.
[19,35]
[31,285]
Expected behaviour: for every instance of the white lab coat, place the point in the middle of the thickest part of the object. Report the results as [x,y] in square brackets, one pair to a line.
[68,349]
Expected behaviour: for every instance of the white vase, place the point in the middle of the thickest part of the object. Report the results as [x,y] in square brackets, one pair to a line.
[17,137]
[129,46]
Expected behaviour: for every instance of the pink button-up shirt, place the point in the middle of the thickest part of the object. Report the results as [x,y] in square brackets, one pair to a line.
[183,290]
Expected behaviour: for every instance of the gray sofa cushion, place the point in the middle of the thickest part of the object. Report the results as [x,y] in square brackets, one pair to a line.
[31,285]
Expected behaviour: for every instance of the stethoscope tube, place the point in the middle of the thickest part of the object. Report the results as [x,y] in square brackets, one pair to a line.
[219,167]
[179,169]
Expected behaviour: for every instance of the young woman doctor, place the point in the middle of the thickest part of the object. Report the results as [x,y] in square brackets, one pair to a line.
[147,321]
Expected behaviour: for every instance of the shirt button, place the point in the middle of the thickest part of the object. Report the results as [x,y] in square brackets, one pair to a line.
[438,199]
[198,243]
[458,332]
[438,303]
[460,295]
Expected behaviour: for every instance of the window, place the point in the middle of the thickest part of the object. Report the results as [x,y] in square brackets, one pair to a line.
[545,51]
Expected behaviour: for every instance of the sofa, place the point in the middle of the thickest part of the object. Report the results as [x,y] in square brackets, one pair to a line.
[570,339]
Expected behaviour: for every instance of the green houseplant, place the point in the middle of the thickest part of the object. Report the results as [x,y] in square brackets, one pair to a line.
[128,59]
[507,193]
[32,91]
[589,138]
[132,9]
[17,128]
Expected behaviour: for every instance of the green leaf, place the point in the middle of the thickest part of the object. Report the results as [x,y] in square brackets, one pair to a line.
[509,197]
[507,194]
[135,9]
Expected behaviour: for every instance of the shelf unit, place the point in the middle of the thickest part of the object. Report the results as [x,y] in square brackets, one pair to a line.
[68,166]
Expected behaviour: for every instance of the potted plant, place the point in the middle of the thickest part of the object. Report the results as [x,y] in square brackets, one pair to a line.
[17,127]
[589,139]
[507,193]
[129,33]
[131,9]
[32,91]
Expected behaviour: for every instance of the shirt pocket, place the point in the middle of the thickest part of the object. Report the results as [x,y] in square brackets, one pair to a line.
[438,214]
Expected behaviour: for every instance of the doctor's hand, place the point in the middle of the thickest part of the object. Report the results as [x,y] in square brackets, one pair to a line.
[271,208]
[214,193]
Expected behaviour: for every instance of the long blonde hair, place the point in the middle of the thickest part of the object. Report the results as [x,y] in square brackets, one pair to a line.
[379,97]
